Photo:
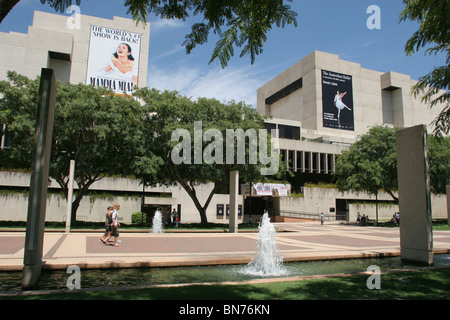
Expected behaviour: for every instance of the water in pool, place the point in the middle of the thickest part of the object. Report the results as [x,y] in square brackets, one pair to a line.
[11,281]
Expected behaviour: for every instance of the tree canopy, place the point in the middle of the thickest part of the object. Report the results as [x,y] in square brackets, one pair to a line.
[434,35]
[238,23]
[174,119]
[108,134]
[370,164]
[101,131]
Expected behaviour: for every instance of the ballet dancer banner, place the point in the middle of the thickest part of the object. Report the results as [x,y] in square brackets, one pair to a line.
[337,100]
[113,61]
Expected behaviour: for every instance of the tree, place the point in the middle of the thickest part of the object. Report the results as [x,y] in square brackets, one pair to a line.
[174,119]
[246,23]
[439,159]
[99,130]
[433,34]
[371,163]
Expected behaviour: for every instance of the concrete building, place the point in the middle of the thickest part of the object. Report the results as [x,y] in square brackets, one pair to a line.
[321,105]
[315,121]
[301,100]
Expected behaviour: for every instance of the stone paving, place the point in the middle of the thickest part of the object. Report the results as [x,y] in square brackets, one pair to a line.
[296,242]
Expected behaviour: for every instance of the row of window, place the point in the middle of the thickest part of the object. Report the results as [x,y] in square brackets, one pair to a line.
[306,161]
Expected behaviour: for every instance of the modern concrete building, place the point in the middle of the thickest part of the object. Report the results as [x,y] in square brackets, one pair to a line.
[321,105]
[314,128]
[315,121]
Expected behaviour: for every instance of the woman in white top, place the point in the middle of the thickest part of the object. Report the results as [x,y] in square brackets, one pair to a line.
[123,64]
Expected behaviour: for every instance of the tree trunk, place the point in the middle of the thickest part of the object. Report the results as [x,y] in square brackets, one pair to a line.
[75,205]
[192,193]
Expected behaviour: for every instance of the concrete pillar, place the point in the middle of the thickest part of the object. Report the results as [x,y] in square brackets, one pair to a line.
[70,196]
[234,194]
[416,236]
[37,201]
[448,205]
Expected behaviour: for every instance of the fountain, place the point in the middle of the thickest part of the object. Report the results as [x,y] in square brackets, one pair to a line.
[267,262]
[157,224]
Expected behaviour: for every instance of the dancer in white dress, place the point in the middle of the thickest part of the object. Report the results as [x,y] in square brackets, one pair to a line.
[340,105]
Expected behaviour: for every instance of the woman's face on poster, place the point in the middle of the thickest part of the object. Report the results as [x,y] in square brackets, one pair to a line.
[122,50]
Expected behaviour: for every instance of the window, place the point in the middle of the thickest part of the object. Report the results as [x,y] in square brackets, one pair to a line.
[289,132]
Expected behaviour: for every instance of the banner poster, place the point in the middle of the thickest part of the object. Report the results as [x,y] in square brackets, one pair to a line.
[113,60]
[271,189]
[337,101]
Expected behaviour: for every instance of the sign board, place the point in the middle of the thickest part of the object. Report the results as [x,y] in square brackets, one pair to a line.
[337,101]
[113,60]
[271,189]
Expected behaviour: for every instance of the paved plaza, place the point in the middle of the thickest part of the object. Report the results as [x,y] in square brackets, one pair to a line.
[296,242]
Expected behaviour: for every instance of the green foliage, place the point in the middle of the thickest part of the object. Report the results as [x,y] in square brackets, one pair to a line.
[439,159]
[101,131]
[371,163]
[433,34]
[247,23]
[138,218]
[169,112]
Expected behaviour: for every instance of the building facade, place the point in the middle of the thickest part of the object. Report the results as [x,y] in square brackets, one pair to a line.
[321,105]
[307,98]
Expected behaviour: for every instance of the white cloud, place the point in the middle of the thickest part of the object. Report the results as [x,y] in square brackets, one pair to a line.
[170,52]
[231,83]
[165,23]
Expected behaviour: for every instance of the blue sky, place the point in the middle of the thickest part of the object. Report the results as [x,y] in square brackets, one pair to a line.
[337,27]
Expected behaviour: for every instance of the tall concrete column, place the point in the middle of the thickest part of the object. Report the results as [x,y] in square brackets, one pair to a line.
[416,236]
[70,196]
[37,201]
[448,205]
[234,193]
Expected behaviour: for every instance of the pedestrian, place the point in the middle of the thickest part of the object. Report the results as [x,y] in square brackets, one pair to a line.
[397,217]
[176,222]
[358,218]
[394,219]
[321,218]
[174,216]
[115,225]
[108,223]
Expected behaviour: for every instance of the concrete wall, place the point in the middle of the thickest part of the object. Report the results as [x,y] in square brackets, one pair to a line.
[14,204]
[316,200]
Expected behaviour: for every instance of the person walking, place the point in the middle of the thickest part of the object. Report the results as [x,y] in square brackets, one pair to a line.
[108,223]
[321,218]
[114,225]
[174,216]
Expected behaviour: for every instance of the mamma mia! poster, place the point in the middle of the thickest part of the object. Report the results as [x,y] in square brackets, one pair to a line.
[337,100]
[113,61]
